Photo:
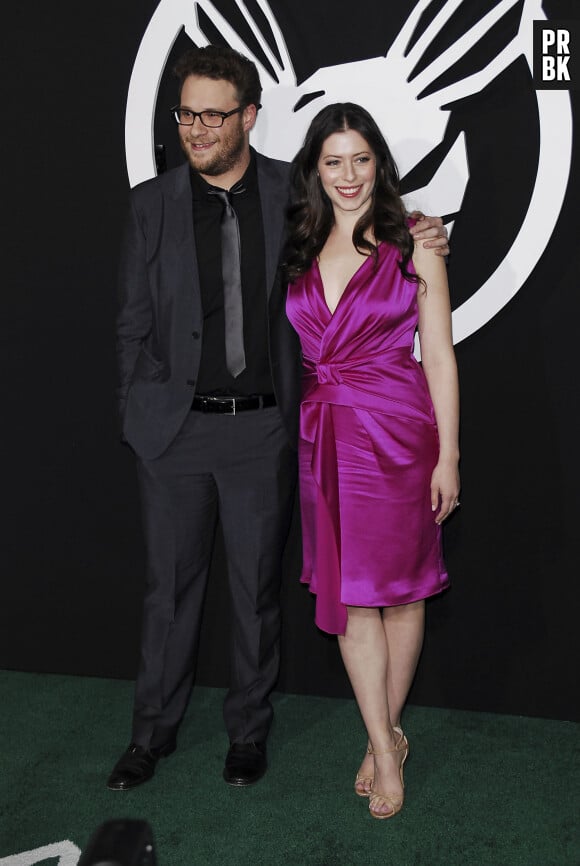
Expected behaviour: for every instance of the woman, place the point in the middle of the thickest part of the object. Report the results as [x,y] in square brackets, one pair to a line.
[378,433]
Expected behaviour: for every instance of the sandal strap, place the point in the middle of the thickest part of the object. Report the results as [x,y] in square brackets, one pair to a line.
[399,746]
[393,800]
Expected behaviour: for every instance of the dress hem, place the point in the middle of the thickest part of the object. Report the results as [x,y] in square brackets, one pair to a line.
[409,599]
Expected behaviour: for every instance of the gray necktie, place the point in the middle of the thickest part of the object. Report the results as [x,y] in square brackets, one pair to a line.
[232,279]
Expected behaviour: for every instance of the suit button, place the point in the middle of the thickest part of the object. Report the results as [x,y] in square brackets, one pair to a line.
[195,335]
[191,382]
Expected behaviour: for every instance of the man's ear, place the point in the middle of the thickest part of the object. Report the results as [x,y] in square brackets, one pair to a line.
[249,115]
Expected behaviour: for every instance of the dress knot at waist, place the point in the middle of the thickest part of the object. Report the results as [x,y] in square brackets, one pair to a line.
[334,372]
[328,374]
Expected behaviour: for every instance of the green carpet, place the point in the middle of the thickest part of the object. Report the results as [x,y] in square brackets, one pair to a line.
[480,788]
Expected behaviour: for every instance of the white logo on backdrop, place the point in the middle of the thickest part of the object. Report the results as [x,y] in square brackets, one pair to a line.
[413,124]
[67,853]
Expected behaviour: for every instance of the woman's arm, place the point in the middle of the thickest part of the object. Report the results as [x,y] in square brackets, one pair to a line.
[440,368]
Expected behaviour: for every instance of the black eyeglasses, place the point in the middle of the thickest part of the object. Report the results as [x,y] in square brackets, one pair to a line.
[213,119]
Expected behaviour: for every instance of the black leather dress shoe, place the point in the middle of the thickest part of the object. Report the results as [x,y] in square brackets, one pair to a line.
[245,763]
[136,766]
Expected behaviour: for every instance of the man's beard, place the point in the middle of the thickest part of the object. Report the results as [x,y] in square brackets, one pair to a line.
[230,151]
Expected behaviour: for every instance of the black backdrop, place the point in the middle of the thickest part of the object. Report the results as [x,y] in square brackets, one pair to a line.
[504,637]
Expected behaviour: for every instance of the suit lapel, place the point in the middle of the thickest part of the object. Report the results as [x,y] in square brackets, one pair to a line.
[273,196]
[184,238]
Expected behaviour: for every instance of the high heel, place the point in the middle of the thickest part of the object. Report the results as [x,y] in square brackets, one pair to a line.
[398,730]
[363,779]
[393,800]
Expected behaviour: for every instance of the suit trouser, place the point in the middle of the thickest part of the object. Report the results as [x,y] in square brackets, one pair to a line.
[242,469]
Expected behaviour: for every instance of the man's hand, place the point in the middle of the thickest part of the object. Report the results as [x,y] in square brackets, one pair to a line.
[431,232]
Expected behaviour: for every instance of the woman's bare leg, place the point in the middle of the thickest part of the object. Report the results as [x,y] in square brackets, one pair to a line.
[404,627]
[365,654]
[381,669]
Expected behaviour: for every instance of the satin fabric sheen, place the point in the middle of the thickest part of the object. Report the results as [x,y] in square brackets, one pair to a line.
[368,445]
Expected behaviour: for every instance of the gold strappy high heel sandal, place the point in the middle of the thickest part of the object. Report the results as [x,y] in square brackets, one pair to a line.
[393,800]
[362,779]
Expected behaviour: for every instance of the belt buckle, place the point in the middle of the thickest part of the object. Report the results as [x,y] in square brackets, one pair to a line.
[233,409]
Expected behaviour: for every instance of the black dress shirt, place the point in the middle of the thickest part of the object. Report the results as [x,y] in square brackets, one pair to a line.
[213,376]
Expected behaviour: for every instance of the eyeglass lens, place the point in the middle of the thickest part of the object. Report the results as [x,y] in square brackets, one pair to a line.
[209,118]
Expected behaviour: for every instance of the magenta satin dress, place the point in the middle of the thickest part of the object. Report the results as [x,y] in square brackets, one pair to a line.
[368,445]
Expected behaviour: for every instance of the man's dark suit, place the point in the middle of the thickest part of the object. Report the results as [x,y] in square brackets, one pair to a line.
[243,466]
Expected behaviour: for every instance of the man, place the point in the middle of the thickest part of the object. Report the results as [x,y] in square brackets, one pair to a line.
[210,380]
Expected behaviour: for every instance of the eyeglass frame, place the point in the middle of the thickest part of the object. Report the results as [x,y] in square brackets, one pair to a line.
[223,114]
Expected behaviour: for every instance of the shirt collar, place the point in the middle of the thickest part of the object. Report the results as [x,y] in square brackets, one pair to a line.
[249,180]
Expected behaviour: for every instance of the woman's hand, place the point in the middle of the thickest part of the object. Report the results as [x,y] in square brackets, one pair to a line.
[445,489]
[431,232]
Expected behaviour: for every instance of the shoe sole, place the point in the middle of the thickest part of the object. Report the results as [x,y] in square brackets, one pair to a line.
[165,752]
[243,783]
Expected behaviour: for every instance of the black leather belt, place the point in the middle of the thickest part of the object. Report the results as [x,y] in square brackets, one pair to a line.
[232,405]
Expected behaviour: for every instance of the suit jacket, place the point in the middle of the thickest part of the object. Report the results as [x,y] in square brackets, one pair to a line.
[160,321]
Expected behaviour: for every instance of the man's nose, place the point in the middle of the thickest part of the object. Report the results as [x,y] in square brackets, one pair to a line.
[200,126]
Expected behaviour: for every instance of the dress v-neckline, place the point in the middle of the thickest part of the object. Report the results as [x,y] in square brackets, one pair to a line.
[346,288]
